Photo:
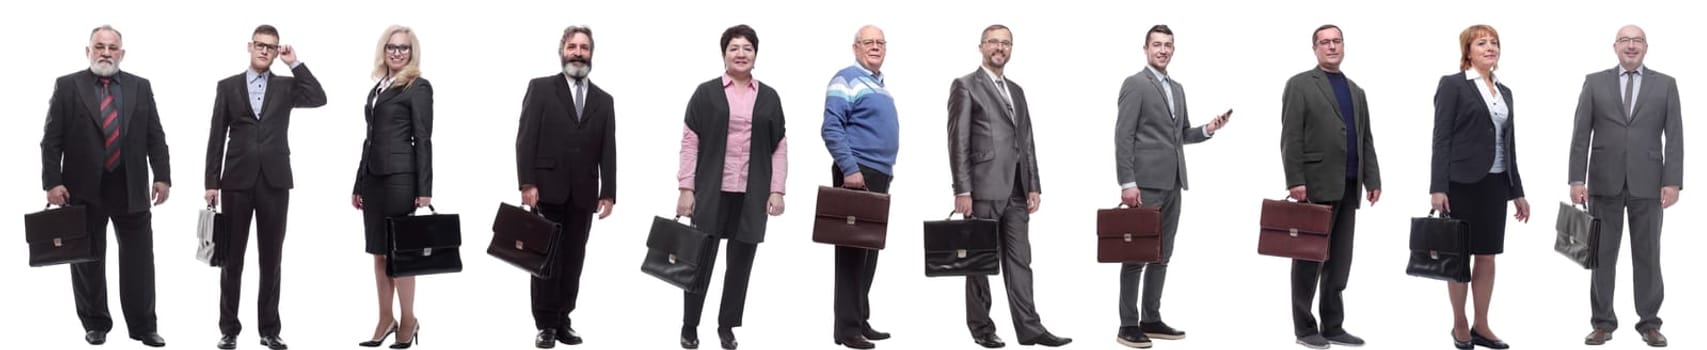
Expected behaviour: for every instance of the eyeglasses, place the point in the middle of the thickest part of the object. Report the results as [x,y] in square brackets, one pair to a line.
[997,42]
[266,47]
[870,42]
[1631,40]
[393,48]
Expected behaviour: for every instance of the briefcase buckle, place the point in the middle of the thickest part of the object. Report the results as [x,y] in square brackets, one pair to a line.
[519,244]
[1128,237]
[57,242]
[1434,255]
[960,253]
[426,251]
[1293,232]
[851,220]
[672,259]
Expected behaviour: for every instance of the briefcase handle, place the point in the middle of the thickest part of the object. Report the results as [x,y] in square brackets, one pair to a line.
[430,208]
[962,217]
[1443,214]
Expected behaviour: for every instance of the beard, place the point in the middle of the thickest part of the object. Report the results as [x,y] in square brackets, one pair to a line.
[577,72]
[105,69]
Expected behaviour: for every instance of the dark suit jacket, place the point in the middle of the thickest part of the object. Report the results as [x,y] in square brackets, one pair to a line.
[1623,150]
[986,143]
[73,151]
[571,159]
[1149,138]
[257,146]
[1312,137]
[399,135]
[1464,136]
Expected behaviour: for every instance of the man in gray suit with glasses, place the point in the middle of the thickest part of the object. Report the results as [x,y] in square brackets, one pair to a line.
[1622,115]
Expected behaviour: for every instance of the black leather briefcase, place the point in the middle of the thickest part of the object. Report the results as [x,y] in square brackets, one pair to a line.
[1579,236]
[60,236]
[524,239]
[1440,248]
[423,244]
[679,254]
[968,247]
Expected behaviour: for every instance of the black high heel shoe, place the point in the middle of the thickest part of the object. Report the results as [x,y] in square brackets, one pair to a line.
[414,338]
[377,342]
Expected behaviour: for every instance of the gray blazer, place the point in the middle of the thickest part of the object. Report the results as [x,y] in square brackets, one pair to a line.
[1149,140]
[1312,137]
[988,146]
[1626,151]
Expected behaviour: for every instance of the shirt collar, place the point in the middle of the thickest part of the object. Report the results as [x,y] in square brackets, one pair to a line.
[1640,70]
[115,78]
[730,81]
[250,75]
[1472,74]
[571,81]
[992,75]
[1157,72]
[874,76]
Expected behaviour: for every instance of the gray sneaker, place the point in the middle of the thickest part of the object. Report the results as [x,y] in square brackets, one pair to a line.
[1345,339]
[1313,341]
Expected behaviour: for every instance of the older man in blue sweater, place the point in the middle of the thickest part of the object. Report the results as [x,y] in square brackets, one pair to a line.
[862,134]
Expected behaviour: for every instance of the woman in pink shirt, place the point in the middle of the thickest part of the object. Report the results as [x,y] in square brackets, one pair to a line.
[734,165]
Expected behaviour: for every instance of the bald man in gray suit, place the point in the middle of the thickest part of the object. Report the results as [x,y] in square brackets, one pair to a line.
[1621,117]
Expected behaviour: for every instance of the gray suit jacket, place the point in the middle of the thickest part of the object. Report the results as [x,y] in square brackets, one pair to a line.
[1149,139]
[1312,137]
[988,146]
[1615,151]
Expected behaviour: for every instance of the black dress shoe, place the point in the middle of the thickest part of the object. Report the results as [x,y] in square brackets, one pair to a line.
[727,337]
[856,343]
[1461,344]
[1161,330]
[1046,340]
[1132,337]
[95,337]
[273,342]
[872,334]
[228,342]
[150,339]
[1479,340]
[690,338]
[568,336]
[990,341]
[546,339]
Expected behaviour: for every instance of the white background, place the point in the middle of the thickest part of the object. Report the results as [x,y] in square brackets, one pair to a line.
[1070,56]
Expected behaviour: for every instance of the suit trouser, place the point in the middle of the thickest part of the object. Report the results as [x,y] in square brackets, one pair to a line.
[554,298]
[1154,275]
[740,255]
[855,268]
[1646,217]
[269,208]
[1331,275]
[135,236]
[1013,221]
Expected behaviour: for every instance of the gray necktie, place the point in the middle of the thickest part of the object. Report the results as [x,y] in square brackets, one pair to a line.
[1629,93]
[580,98]
[1002,85]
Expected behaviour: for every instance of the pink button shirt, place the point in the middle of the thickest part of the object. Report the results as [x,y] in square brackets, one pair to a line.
[738,150]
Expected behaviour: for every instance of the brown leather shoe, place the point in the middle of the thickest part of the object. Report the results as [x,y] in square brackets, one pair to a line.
[1654,338]
[1598,337]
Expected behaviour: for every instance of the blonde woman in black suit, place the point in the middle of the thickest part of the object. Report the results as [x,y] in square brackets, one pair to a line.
[1474,172]
[396,171]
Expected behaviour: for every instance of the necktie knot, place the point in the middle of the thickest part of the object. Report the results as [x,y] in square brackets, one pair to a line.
[106,81]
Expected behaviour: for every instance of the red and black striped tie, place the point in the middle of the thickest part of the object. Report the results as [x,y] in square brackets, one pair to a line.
[110,124]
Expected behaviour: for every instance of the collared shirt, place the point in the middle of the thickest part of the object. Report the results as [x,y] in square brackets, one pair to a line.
[1636,86]
[257,82]
[575,88]
[1167,88]
[114,87]
[737,150]
[1500,112]
[380,89]
[1002,85]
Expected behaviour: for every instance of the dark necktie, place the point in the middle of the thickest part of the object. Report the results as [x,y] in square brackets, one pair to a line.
[110,124]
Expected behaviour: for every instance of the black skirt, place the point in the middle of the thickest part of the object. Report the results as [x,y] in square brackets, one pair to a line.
[384,197]
[1483,205]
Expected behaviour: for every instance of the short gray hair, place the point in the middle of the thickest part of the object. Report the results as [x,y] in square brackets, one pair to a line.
[105,27]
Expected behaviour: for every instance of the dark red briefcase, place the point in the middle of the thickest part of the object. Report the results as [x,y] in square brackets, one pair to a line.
[1295,230]
[851,218]
[1129,235]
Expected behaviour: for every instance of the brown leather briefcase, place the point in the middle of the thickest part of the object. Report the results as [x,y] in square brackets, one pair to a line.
[851,218]
[1129,235]
[1295,230]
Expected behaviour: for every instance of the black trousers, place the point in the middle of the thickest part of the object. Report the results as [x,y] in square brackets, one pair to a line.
[268,207]
[740,257]
[1331,275]
[855,268]
[554,298]
[135,234]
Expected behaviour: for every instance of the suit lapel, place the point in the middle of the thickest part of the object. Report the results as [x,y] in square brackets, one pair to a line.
[1327,89]
[86,87]
[127,108]
[270,97]
[566,94]
[995,94]
[243,94]
[372,94]
[1644,93]
[1151,76]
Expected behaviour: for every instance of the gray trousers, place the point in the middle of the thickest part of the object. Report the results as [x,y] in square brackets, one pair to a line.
[1645,220]
[1012,218]
[1154,274]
